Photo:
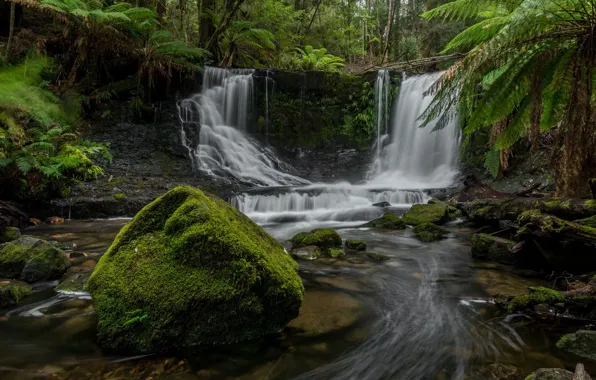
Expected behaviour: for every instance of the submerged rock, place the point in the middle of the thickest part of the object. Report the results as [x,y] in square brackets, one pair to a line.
[336,252]
[12,292]
[356,245]
[190,270]
[324,238]
[32,260]
[428,232]
[382,204]
[376,256]
[581,343]
[10,234]
[389,221]
[75,279]
[427,213]
[310,252]
[550,374]
[492,248]
[495,372]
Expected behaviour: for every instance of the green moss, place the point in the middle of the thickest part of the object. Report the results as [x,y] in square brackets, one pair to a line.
[428,232]
[201,272]
[12,292]
[590,205]
[324,238]
[377,257]
[356,245]
[426,213]
[49,263]
[582,343]
[530,376]
[389,221]
[119,196]
[336,252]
[588,222]
[10,234]
[536,295]
[306,253]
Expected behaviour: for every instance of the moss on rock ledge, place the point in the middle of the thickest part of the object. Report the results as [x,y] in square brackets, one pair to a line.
[12,292]
[581,343]
[389,221]
[536,295]
[427,213]
[428,232]
[189,270]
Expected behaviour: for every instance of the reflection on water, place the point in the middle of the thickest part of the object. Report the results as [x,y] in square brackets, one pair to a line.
[422,314]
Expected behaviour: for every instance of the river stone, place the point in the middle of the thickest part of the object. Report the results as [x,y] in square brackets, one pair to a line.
[589,222]
[427,213]
[10,234]
[310,252]
[492,248]
[382,204]
[550,374]
[12,292]
[356,245]
[324,238]
[32,260]
[581,343]
[191,270]
[428,232]
[388,221]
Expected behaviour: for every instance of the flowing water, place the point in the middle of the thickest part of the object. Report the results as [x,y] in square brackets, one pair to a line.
[421,314]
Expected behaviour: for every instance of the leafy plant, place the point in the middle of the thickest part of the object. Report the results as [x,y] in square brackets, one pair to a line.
[318,59]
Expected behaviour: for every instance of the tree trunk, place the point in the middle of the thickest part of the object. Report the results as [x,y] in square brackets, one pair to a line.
[206,28]
[592,183]
[11,31]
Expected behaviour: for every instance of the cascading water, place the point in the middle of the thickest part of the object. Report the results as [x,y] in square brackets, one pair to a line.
[416,158]
[219,116]
[382,88]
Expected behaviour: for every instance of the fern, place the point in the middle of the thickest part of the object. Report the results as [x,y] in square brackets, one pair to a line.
[492,162]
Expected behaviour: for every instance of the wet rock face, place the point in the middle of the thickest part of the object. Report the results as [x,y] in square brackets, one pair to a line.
[192,270]
[12,292]
[550,374]
[581,343]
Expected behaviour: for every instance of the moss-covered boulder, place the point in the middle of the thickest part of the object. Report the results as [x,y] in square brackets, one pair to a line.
[190,270]
[10,234]
[550,374]
[427,213]
[536,295]
[324,238]
[564,245]
[588,222]
[428,232]
[356,245]
[32,260]
[12,292]
[388,221]
[336,252]
[493,248]
[310,252]
[453,211]
[581,343]
[377,257]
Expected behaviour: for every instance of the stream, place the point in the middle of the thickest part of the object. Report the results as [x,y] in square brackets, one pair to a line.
[424,313]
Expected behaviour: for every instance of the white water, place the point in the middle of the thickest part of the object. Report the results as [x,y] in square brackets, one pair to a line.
[416,158]
[408,159]
[219,115]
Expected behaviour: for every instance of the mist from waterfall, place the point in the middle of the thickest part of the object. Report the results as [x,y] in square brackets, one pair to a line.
[214,123]
[411,157]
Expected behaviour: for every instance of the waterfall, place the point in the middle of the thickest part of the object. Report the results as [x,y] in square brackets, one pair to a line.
[382,88]
[213,130]
[416,157]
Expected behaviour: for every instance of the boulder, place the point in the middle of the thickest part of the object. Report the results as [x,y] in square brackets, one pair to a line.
[10,234]
[388,221]
[581,343]
[31,260]
[492,248]
[453,211]
[428,213]
[428,232]
[376,256]
[382,204]
[356,245]
[324,238]
[565,246]
[12,292]
[336,252]
[310,252]
[192,270]
[550,374]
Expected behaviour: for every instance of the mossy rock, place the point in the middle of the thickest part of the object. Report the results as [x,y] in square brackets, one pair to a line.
[426,213]
[428,232]
[324,238]
[75,279]
[536,296]
[388,221]
[32,260]
[356,245]
[453,211]
[588,222]
[377,257]
[550,374]
[493,248]
[12,292]
[192,270]
[10,234]
[581,343]
[310,252]
[336,252]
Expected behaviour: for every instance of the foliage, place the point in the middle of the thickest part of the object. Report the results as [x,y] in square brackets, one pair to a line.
[36,150]
[317,59]
[529,70]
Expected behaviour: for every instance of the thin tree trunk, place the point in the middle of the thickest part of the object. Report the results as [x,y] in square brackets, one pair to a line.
[224,25]
[11,32]
[206,28]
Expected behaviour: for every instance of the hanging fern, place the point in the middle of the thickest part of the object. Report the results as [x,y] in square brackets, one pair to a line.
[492,162]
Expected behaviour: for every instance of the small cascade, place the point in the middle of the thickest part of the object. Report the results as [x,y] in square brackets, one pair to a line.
[267,107]
[339,203]
[213,129]
[416,157]
[382,88]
